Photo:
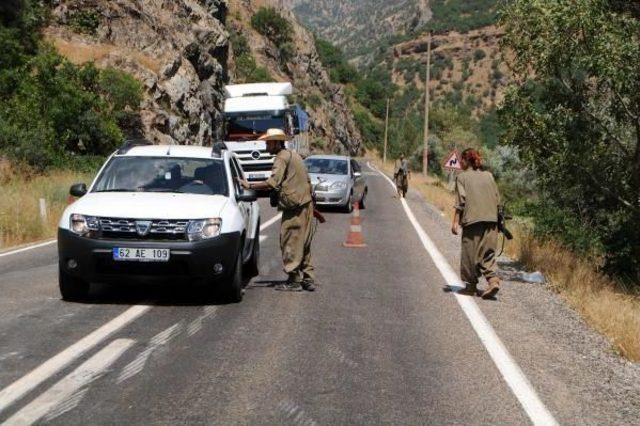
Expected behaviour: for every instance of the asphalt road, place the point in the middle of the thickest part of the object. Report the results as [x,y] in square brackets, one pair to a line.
[380,342]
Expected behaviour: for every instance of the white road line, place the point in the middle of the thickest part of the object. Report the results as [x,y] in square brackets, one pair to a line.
[511,372]
[91,370]
[160,339]
[37,376]
[33,379]
[34,246]
[270,222]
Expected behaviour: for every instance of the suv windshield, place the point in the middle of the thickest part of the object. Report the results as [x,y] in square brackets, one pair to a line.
[327,166]
[247,126]
[163,174]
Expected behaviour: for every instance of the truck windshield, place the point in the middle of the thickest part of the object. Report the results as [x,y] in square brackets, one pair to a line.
[248,126]
[162,174]
[327,166]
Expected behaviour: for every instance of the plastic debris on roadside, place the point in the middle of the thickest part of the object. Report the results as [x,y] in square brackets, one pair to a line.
[534,277]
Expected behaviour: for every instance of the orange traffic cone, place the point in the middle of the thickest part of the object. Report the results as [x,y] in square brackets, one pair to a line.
[355,238]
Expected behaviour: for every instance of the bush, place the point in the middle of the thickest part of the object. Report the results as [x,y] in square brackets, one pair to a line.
[268,22]
[479,55]
[340,71]
[58,110]
[462,15]
[246,68]
[84,21]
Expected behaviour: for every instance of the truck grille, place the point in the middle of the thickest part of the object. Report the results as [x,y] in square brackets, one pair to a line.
[160,230]
[248,167]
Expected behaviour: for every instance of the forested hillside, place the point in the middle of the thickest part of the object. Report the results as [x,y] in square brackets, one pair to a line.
[564,142]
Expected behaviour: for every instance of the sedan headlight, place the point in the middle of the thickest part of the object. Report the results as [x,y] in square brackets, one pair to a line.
[204,229]
[338,185]
[82,225]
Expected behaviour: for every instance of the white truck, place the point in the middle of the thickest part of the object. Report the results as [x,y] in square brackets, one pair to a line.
[250,110]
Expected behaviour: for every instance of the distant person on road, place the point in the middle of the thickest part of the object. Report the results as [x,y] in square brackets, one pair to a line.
[291,181]
[401,177]
[476,210]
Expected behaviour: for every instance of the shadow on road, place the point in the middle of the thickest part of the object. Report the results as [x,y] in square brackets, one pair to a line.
[161,294]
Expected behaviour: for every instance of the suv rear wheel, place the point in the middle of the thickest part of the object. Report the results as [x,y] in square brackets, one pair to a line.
[72,289]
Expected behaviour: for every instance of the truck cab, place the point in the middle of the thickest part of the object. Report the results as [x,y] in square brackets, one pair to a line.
[250,110]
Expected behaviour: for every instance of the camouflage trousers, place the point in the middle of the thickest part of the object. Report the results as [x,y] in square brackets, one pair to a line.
[402,183]
[296,235]
[478,257]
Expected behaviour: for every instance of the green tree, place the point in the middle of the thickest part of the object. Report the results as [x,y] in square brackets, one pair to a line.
[575,117]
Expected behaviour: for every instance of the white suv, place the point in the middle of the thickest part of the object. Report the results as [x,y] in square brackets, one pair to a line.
[161,212]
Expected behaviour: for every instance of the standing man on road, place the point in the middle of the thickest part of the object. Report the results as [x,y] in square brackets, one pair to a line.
[477,200]
[402,177]
[291,181]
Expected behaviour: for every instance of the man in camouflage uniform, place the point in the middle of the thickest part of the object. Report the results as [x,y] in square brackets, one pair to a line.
[290,178]
[402,177]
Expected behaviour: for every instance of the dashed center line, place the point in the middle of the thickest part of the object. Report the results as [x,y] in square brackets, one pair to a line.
[66,388]
[18,389]
[27,383]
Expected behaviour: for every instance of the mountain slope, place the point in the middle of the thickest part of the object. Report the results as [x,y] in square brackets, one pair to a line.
[357,26]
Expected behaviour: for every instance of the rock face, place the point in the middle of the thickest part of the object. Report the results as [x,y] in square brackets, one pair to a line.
[332,126]
[177,49]
[358,26]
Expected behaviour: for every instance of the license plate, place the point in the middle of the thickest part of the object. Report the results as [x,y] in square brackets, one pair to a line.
[255,176]
[141,254]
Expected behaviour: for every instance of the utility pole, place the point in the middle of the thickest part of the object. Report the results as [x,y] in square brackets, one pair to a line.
[425,152]
[386,134]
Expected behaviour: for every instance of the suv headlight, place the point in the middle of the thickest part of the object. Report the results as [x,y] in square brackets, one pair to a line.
[82,225]
[338,185]
[204,229]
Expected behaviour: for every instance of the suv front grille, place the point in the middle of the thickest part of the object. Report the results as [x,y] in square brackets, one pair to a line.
[160,230]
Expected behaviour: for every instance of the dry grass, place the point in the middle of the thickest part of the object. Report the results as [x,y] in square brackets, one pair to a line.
[80,52]
[606,305]
[20,220]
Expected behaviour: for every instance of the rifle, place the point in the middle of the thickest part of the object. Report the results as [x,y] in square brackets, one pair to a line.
[318,215]
[316,212]
[502,223]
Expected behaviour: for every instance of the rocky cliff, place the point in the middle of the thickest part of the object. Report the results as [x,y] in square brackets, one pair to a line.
[177,49]
[332,126]
[359,26]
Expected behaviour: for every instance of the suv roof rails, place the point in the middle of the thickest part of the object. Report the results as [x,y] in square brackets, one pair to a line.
[131,143]
[217,148]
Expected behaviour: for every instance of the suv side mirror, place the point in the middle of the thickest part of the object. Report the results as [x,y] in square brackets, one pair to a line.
[247,196]
[78,190]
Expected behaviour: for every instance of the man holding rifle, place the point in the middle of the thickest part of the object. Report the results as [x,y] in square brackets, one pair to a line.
[293,196]
[477,211]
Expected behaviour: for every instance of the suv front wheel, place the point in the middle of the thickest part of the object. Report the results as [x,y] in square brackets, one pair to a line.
[72,289]
[233,290]
[252,268]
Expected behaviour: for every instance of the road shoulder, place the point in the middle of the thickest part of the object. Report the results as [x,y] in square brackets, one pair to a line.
[572,366]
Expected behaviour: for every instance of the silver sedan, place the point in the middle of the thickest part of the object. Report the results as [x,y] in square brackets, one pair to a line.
[337,181]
